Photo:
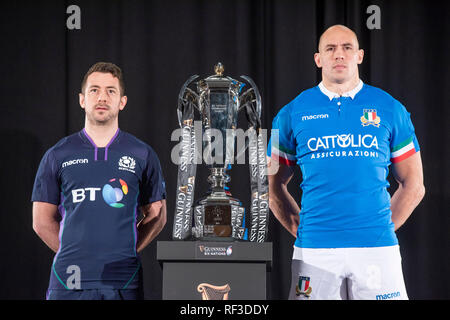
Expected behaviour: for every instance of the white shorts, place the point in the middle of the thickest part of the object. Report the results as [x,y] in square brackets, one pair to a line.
[347,273]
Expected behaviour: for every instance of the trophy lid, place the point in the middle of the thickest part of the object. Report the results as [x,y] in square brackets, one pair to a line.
[218,80]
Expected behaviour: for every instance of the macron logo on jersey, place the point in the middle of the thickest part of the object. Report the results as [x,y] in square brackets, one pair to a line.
[76,161]
[315,116]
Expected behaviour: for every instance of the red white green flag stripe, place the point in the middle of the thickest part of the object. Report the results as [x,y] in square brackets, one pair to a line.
[283,155]
[403,150]
[370,115]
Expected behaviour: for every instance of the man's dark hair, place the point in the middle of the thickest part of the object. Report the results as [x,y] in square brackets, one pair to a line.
[105,67]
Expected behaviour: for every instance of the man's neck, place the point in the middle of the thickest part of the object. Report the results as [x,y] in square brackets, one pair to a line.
[101,134]
[340,88]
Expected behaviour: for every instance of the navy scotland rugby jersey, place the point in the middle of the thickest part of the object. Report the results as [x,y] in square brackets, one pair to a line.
[98,192]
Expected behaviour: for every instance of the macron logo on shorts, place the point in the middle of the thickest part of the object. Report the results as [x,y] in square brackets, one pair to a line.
[76,161]
[388,296]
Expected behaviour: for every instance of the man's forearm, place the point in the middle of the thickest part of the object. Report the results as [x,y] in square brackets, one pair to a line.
[285,209]
[151,225]
[405,199]
[49,234]
[147,231]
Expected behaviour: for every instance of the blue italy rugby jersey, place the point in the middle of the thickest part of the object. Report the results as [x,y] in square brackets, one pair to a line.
[344,146]
[98,191]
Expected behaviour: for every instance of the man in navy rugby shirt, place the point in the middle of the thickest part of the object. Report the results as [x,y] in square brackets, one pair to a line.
[88,191]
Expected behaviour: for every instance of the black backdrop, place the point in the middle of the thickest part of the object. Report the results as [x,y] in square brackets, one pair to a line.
[159,44]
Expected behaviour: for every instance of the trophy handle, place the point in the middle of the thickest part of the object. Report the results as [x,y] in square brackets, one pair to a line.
[183,99]
[253,116]
[257,96]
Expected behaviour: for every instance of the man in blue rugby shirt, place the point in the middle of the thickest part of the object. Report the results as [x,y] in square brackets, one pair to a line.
[344,134]
[87,195]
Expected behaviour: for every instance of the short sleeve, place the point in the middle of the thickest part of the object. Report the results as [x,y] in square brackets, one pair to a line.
[46,187]
[403,142]
[153,186]
[282,143]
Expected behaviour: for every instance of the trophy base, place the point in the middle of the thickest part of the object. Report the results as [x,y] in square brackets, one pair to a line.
[216,239]
[218,218]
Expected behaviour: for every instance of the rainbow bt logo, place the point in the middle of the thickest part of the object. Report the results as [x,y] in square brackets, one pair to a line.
[114,192]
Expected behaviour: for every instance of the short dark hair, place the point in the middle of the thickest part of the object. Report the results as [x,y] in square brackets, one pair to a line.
[105,67]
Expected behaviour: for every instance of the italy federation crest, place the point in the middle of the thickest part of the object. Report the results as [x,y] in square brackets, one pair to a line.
[303,287]
[370,117]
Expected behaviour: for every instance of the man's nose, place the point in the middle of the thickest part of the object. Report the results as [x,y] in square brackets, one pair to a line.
[339,53]
[102,96]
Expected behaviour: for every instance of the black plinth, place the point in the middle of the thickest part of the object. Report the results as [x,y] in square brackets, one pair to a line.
[200,270]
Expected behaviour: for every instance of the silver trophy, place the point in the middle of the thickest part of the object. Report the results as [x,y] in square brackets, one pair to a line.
[219,216]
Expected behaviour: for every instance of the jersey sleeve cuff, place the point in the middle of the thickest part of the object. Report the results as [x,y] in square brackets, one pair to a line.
[404,150]
[283,156]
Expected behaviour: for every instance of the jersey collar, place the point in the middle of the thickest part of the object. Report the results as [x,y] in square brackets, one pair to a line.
[95,146]
[331,95]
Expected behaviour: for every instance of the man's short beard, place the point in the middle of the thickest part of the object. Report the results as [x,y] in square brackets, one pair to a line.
[102,122]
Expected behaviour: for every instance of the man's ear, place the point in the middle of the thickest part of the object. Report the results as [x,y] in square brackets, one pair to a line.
[317,60]
[81,100]
[360,56]
[123,102]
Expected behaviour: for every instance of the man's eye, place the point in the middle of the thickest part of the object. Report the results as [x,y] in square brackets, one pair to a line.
[112,91]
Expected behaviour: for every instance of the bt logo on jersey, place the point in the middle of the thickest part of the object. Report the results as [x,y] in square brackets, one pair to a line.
[112,192]
[78,195]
